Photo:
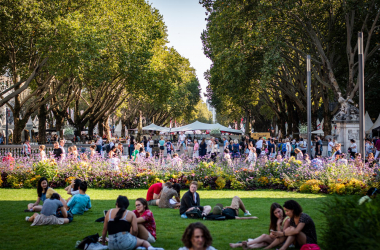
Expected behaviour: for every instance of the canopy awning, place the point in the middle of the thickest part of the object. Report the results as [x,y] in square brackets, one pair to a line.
[205,126]
[368,123]
[155,127]
[376,124]
[318,132]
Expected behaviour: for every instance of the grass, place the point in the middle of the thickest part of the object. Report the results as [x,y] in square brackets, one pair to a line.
[18,234]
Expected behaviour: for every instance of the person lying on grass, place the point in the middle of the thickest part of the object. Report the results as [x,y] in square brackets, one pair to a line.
[232,211]
[145,221]
[48,213]
[278,222]
[191,200]
[81,202]
[302,228]
[43,192]
[121,226]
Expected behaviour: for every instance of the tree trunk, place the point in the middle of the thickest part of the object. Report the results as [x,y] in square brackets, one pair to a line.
[91,127]
[247,123]
[100,128]
[139,128]
[107,128]
[59,120]
[42,124]
[122,128]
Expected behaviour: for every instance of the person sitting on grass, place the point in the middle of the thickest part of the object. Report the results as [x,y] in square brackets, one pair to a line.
[371,194]
[167,194]
[145,221]
[232,211]
[197,237]
[302,228]
[191,200]
[121,226]
[48,213]
[278,222]
[42,195]
[81,202]
[73,188]
[154,193]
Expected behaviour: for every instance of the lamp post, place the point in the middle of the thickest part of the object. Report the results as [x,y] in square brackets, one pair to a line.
[6,126]
[308,69]
[361,96]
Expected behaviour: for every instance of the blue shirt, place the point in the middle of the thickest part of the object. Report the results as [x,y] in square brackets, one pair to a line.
[79,203]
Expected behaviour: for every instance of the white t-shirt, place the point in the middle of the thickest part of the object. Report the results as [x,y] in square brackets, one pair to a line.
[209,146]
[99,142]
[182,137]
[354,150]
[330,146]
[259,144]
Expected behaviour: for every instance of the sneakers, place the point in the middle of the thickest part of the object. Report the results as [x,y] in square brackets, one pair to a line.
[27,218]
[28,210]
[247,213]
[183,216]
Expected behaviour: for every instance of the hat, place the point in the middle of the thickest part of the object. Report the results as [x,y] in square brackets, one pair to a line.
[217,209]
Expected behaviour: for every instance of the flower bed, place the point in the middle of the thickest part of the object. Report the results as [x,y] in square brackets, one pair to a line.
[326,177]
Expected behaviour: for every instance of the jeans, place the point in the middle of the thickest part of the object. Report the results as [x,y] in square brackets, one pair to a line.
[329,153]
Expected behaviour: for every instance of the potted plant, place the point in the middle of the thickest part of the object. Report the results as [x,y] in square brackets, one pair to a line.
[215,133]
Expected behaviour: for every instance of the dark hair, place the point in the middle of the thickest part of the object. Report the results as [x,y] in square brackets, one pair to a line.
[203,141]
[226,151]
[83,186]
[293,205]
[143,202]
[168,184]
[373,191]
[55,196]
[273,218]
[189,231]
[141,149]
[77,182]
[177,188]
[39,188]
[352,140]
[122,203]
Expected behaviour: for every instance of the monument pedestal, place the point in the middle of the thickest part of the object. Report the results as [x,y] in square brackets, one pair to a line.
[345,131]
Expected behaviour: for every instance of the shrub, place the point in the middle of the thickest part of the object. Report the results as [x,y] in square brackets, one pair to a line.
[310,186]
[47,168]
[220,183]
[351,226]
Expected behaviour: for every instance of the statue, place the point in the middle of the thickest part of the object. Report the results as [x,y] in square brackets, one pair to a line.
[347,111]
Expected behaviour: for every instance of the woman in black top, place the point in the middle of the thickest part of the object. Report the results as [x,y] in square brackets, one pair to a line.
[118,223]
[203,148]
[57,151]
[302,228]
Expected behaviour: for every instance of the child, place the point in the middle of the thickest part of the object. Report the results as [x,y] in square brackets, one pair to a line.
[81,202]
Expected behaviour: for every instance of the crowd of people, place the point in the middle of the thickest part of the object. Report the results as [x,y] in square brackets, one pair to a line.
[124,229]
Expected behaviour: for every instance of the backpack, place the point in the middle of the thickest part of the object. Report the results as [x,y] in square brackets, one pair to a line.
[293,147]
[88,240]
[194,214]
[283,147]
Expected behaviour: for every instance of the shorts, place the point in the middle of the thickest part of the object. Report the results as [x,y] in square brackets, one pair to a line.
[122,241]
[151,238]
[152,202]
[162,147]
[235,204]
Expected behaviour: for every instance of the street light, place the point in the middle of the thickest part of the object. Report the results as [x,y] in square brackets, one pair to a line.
[308,69]
[361,96]
[6,125]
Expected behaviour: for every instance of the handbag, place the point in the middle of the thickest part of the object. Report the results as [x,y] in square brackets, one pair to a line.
[194,214]
[88,240]
[310,247]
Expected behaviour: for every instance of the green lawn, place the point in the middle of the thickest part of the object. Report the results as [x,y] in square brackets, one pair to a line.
[18,234]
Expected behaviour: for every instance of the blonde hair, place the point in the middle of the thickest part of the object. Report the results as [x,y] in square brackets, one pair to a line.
[161,137]
[296,150]
[42,147]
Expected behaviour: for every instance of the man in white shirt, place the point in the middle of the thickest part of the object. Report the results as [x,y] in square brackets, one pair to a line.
[330,146]
[210,145]
[259,146]
[182,138]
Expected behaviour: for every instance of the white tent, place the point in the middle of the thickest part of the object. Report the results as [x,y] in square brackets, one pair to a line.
[376,124]
[318,132]
[155,128]
[368,123]
[204,126]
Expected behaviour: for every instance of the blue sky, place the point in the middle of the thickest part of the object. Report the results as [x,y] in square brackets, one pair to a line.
[185,21]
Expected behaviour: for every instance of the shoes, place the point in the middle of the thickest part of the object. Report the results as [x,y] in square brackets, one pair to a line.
[247,213]
[27,218]
[183,216]
[27,210]
[250,240]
